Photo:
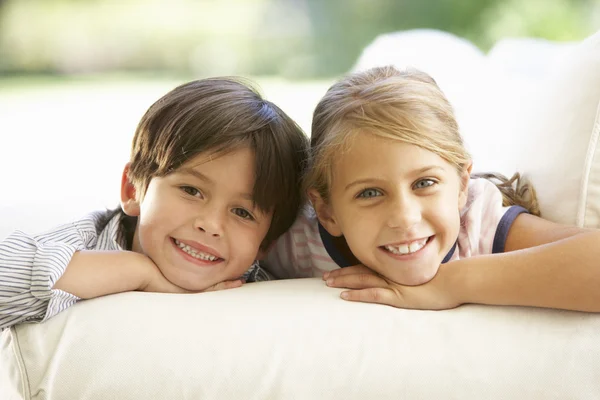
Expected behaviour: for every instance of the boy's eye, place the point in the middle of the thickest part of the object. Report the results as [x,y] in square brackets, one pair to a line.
[369,193]
[240,212]
[424,183]
[192,191]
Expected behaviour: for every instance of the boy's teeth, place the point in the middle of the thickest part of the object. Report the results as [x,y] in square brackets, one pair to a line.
[407,248]
[195,253]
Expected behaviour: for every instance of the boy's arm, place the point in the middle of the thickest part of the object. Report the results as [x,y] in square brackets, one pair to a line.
[31,265]
[95,273]
[45,274]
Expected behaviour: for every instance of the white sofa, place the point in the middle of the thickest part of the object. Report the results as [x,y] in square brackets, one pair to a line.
[296,339]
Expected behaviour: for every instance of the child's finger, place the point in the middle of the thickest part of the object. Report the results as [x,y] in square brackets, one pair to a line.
[356,281]
[355,269]
[372,295]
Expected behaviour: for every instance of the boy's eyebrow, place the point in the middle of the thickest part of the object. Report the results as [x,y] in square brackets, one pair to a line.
[197,174]
[202,177]
[415,172]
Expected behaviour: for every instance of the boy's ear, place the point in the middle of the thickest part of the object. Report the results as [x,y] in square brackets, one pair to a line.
[129,199]
[323,210]
[465,176]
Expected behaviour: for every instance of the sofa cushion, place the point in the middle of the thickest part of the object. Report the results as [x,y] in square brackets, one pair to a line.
[298,339]
[558,137]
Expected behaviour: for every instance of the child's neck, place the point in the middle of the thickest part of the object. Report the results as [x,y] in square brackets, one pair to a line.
[342,246]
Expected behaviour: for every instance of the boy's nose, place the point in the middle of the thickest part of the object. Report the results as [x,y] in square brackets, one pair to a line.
[211,223]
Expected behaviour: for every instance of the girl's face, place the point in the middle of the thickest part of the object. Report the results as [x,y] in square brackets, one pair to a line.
[397,205]
[199,224]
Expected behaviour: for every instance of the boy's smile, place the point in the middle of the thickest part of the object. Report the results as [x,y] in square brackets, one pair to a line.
[199,224]
[198,252]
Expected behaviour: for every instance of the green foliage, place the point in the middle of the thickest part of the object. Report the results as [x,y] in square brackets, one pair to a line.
[293,38]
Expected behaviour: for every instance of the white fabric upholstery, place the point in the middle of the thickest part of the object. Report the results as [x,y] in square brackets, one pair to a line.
[298,339]
[559,137]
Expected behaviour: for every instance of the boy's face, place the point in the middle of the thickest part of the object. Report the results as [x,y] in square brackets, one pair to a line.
[199,224]
[397,205]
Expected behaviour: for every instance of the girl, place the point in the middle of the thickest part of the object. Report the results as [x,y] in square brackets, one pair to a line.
[394,202]
[213,179]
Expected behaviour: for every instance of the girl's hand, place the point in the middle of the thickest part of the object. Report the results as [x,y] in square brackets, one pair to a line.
[156,282]
[370,287]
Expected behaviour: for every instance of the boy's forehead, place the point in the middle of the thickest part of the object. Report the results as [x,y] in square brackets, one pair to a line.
[233,171]
[208,156]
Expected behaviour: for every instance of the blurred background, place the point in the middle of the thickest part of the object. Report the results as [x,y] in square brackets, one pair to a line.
[76,75]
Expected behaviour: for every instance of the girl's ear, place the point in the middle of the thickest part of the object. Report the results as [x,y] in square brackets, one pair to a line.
[129,201]
[465,176]
[324,213]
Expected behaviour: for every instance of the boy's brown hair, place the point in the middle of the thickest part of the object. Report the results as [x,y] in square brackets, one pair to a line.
[220,115]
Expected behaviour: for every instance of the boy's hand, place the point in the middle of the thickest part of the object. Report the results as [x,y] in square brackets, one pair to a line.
[93,273]
[156,282]
[370,287]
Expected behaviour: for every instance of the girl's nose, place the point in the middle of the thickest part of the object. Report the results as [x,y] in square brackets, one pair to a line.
[404,212]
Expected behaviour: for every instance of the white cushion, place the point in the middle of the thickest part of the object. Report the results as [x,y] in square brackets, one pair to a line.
[559,138]
[298,339]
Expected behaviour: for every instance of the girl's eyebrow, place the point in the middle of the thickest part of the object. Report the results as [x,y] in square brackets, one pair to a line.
[428,168]
[361,182]
[418,171]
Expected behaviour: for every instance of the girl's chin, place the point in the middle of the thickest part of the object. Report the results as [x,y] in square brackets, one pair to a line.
[414,280]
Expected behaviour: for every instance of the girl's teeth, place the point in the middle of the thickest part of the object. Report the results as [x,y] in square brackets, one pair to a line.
[414,246]
[195,253]
[407,248]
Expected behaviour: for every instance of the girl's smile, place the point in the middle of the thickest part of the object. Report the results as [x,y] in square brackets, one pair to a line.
[407,250]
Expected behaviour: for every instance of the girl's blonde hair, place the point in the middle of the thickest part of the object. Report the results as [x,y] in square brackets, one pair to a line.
[406,106]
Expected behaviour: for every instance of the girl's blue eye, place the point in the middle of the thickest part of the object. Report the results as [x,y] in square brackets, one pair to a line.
[240,212]
[192,191]
[424,183]
[369,193]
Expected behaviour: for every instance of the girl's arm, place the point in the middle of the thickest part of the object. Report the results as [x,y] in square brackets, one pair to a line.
[544,265]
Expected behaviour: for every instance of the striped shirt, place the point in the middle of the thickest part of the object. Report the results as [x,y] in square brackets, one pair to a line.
[307,249]
[31,265]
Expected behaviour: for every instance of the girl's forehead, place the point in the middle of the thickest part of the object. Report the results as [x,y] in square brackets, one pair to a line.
[371,155]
